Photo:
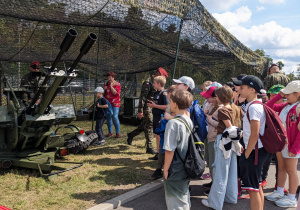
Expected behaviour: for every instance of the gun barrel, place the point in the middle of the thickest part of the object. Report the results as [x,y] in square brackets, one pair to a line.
[64,47]
[86,46]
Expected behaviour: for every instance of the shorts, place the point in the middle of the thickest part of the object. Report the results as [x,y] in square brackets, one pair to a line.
[156,121]
[285,153]
[250,173]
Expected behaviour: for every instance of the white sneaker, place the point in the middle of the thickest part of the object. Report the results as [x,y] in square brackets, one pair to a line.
[286,202]
[205,203]
[274,196]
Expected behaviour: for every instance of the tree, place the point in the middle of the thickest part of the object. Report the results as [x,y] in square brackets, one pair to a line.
[263,54]
[280,64]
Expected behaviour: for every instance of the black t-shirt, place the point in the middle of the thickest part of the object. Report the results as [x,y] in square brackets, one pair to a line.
[159,98]
[100,111]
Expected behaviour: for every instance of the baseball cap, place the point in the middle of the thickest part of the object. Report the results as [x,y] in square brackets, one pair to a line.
[210,92]
[236,79]
[35,64]
[163,72]
[275,89]
[185,80]
[252,81]
[99,90]
[214,84]
[292,87]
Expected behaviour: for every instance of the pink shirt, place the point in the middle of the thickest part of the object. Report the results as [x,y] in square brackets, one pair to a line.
[114,100]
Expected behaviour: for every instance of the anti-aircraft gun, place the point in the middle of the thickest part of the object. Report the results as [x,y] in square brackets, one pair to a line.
[26,137]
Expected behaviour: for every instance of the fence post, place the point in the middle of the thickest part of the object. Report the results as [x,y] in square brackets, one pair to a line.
[96,81]
[177,49]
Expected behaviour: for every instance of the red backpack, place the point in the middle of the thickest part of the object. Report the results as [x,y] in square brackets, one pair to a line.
[275,137]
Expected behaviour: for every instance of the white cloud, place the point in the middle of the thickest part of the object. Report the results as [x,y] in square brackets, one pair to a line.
[281,43]
[260,8]
[271,1]
[217,5]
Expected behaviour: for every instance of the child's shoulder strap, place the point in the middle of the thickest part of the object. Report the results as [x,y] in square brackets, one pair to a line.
[180,118]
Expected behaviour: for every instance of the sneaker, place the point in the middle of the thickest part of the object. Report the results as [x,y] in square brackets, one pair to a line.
[207,185]
[205,203]
[286,202]
[263,183]
[274,196]
[99,143]
[206,192]
[151,151]
[154,158]
[157,174]
[129,139]
[117,135]
[109,135]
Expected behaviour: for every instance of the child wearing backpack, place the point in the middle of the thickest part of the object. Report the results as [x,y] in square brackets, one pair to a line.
[100,115]
[176,182]
[253,126]
[212,122]
[224,186]
[288,158]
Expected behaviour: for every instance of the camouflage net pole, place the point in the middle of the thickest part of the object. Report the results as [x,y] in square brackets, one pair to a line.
[176,56]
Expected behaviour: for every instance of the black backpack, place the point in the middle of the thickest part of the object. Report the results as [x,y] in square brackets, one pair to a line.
[194,162]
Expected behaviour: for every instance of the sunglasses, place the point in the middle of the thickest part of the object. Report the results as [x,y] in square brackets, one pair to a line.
[35,67]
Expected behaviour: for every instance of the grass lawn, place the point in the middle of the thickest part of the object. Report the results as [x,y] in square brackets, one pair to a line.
[108,171]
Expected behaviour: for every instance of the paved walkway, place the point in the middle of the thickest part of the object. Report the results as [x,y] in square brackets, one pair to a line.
[156,198]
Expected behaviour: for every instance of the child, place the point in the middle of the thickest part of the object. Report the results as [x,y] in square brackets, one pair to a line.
[176,183]
[224,186]
[160,130]
[288,158]
[158,105]
[100,116]
[204,88]
[212,122]
[250,173]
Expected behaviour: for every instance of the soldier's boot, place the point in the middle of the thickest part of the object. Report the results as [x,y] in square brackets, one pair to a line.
[129,138]
[151,151]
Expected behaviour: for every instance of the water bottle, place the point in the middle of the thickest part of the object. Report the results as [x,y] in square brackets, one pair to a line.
[161,117]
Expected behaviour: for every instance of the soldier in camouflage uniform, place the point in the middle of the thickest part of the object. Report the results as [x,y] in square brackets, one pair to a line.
[30,82]
[145,113]
[275,77]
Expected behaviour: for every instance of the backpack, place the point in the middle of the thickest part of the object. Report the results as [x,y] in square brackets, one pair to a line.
[275,135]
[199,120]
[194,163]
[108,112]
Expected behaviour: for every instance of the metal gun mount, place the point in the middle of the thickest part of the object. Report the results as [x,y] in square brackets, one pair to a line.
[26,138]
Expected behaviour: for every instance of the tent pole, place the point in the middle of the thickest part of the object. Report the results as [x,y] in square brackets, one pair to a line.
[177,49]
[96,80]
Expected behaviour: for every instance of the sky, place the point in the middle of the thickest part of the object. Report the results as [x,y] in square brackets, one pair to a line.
[271,25]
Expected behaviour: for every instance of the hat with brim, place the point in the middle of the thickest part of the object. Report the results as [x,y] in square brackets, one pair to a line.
[99,90]
[252,81]
[236,80]
[292,87]
[209,93]
[185,80]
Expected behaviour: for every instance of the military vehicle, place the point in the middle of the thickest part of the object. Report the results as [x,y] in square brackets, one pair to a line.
[26,137]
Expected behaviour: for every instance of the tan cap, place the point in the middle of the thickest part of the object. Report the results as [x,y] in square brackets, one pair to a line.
[292,87]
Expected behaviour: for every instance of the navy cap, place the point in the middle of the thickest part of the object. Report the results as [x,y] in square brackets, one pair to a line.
[252,81]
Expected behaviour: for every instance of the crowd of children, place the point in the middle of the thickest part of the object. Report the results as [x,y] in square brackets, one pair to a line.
[235,154]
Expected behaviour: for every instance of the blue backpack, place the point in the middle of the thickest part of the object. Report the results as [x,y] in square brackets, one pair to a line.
[108,112]
[199,120]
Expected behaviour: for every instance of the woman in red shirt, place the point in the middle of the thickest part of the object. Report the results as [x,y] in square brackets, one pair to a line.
[112,93]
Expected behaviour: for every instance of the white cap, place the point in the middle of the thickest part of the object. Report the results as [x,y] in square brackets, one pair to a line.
[292,87]
[186,80]
[214,84]
[99,90]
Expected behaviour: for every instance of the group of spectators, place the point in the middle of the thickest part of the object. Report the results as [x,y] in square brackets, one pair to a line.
[234,111]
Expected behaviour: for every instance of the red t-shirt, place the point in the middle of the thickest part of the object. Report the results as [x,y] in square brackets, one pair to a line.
[114,100]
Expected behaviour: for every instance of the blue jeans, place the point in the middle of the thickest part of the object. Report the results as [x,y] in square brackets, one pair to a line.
[114,119]
[225,185]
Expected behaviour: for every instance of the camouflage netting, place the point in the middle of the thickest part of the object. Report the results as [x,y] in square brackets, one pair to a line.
[135,35]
